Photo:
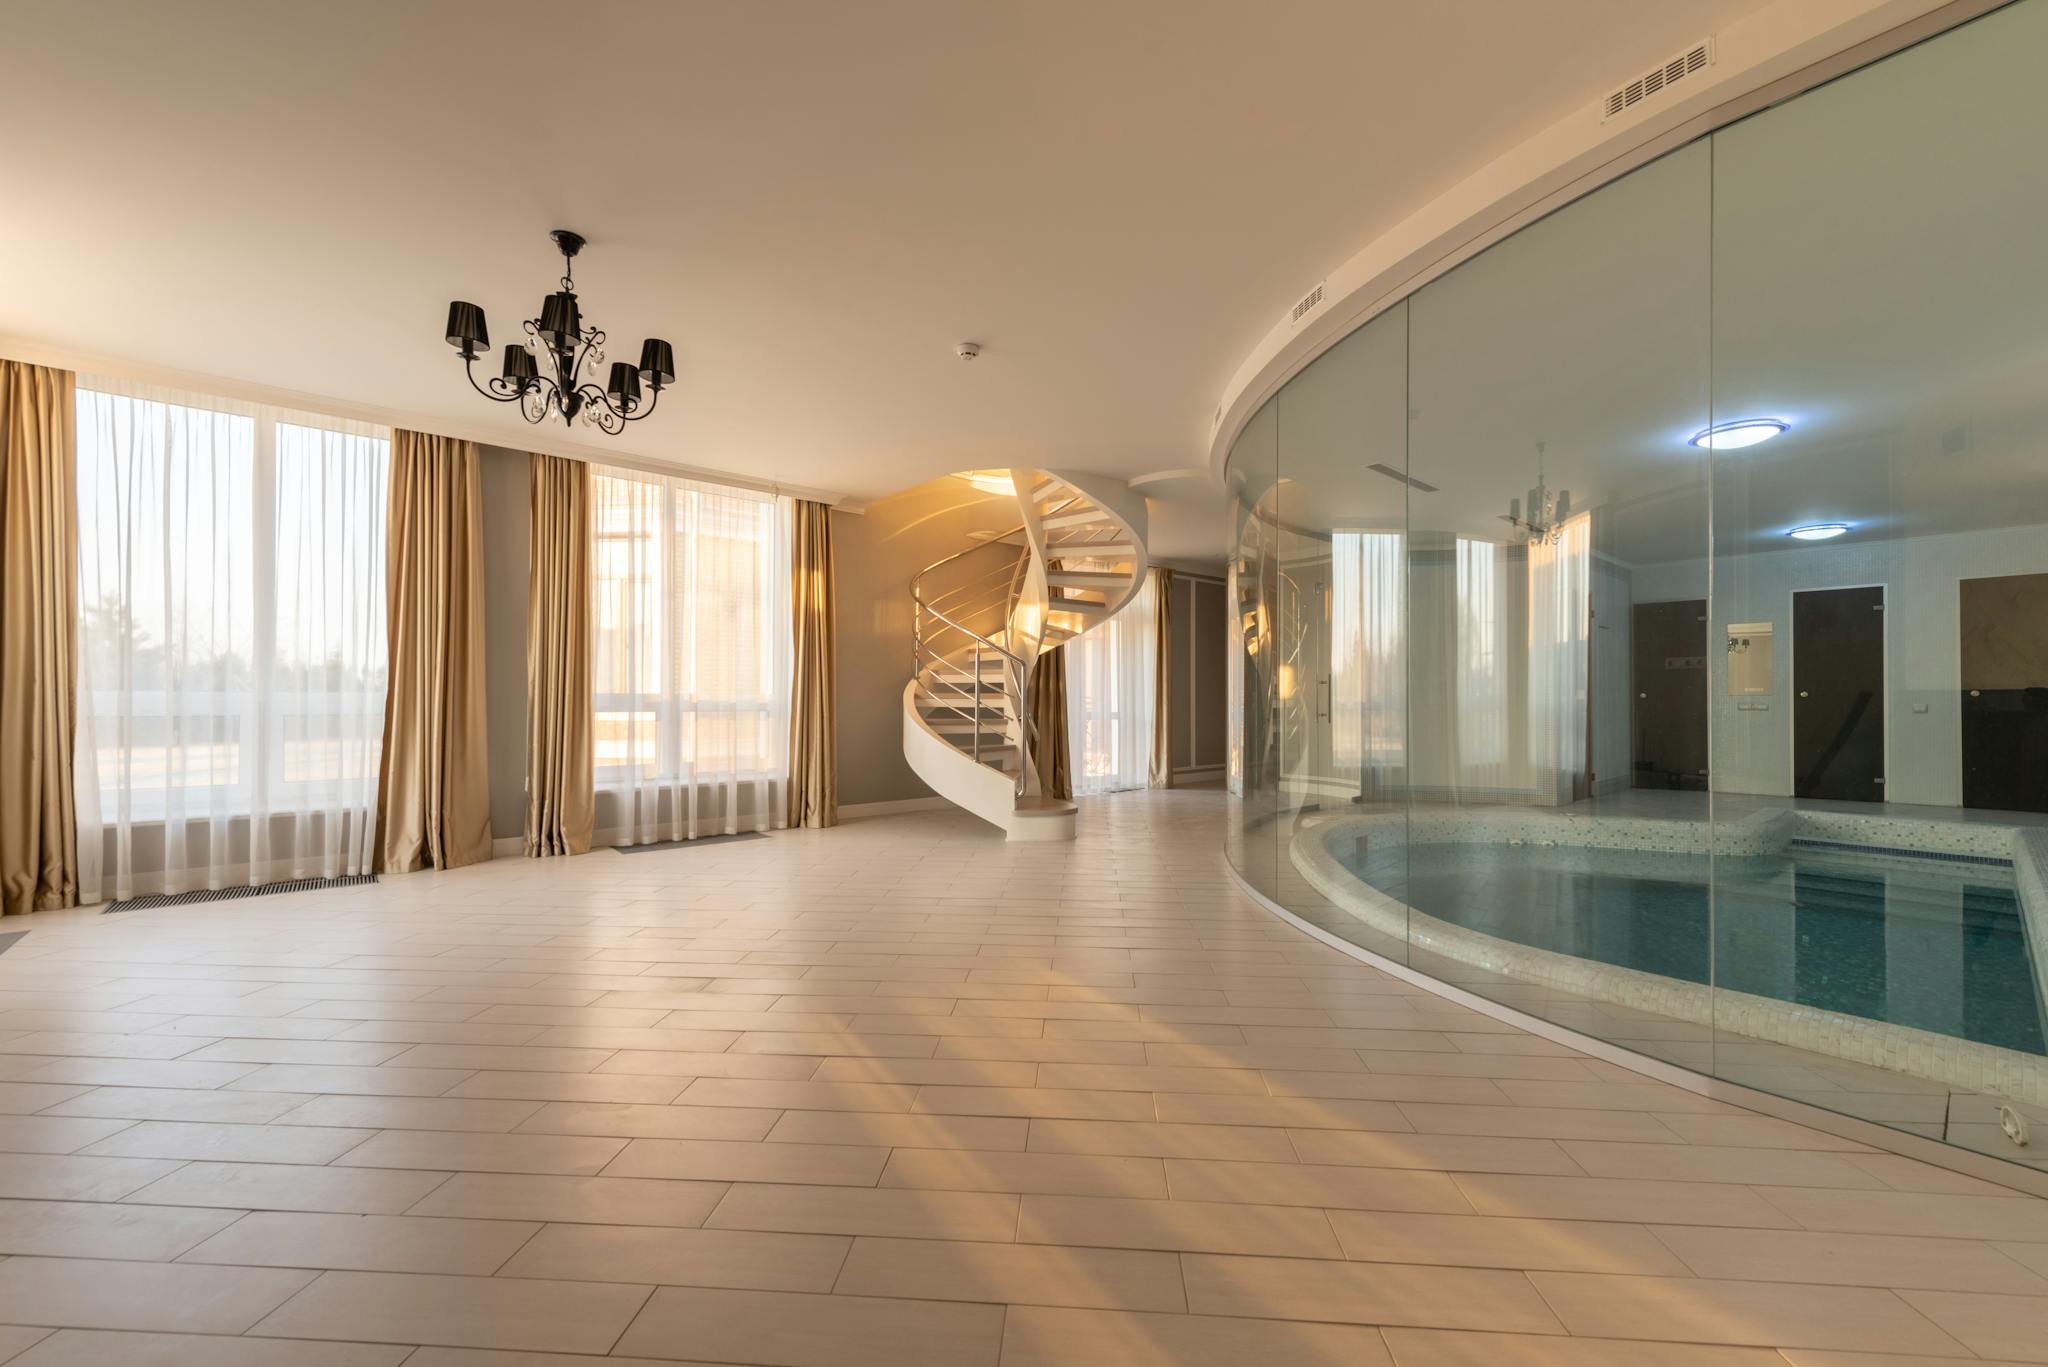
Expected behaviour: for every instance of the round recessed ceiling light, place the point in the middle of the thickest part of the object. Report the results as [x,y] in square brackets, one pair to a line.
[1733,436]
[1818,531]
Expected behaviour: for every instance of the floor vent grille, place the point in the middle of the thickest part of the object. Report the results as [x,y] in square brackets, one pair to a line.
[686,844]
[182,899]
[1658,79]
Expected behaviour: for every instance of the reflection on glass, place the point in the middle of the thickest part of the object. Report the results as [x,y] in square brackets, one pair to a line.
[1367,659]
[1561,701]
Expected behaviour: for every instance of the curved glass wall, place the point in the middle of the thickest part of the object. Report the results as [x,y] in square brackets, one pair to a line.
[1731,749]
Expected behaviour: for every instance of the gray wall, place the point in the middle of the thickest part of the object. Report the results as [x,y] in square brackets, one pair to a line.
[1196,686]
[1611,709]
[507,510]
[877,553]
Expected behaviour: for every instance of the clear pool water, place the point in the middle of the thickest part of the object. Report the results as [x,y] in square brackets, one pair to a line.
[1933,945]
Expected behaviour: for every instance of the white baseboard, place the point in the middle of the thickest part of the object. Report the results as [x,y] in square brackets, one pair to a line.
[855,811]
[508,847]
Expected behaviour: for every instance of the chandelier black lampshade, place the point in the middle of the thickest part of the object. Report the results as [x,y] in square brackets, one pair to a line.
[466,330]
[657,363]
[546,375]
[560,319]
[624,387]
[519,367]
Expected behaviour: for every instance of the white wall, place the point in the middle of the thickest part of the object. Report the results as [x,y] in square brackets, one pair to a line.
[1923,667]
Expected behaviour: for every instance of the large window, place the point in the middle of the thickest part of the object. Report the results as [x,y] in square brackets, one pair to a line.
[1112,679]
[691,656]
[231,639]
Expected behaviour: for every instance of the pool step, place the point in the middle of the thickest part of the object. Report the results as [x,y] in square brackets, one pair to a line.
[1981,911]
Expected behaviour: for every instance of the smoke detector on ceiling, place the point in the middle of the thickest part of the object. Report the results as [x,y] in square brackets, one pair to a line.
[967,351]
[1658,80]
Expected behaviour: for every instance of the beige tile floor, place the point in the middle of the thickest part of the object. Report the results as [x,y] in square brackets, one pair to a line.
[900,1094]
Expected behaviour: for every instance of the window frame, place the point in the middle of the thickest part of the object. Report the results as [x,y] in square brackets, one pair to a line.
[673,614]
[253,713]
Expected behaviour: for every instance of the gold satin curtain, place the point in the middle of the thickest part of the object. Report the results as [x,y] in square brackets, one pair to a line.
[38,640]
[1049,723]
[1161,775]
[560,801]
[813,715]
[433,788]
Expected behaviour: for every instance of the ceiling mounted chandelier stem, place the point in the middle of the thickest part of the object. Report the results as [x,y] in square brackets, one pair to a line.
[570,348]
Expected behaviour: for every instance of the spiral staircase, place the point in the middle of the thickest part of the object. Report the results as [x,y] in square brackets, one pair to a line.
[982,618]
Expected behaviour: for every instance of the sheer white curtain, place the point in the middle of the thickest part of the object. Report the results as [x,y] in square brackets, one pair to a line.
[1368,657]
[691,657]
[1111,677]
[1560,599]
[1482,667]
[231,641]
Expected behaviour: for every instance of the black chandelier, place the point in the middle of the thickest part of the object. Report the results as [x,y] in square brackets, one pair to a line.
[570,348]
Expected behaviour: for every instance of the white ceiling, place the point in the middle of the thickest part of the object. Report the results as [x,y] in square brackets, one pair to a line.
[1864,262]
[813,201]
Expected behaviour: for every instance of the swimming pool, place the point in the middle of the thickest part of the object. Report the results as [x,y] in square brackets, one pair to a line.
[1930,943]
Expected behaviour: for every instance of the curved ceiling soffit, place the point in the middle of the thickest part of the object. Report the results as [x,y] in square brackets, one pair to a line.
[1760,59]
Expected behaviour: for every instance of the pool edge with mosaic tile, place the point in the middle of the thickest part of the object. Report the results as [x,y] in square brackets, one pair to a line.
[1905,1049]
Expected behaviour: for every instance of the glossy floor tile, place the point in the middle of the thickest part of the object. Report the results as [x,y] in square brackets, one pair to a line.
[897,1093]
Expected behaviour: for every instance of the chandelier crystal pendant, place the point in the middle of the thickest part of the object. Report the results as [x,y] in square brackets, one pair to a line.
[1548,511]
[569,350]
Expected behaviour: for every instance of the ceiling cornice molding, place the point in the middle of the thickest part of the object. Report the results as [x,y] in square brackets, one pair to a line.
[1765,57]
[39,353]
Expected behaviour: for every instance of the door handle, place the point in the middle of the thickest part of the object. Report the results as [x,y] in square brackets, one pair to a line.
[1804,694]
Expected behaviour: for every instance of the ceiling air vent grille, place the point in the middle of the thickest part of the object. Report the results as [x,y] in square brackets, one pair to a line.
[1658,79]
[1308,302]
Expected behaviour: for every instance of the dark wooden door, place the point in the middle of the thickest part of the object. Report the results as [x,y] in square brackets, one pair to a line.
[1668,676]
[1838,694]
[2005,692]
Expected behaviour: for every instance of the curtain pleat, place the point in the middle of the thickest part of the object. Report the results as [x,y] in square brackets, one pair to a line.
[1369,623]
[434,784]
[1049,723]
[1162,678]
[814,720]
[1111,694]
[38,579]
[560,799]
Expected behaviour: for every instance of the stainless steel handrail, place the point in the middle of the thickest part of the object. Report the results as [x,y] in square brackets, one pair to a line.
[996,540]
